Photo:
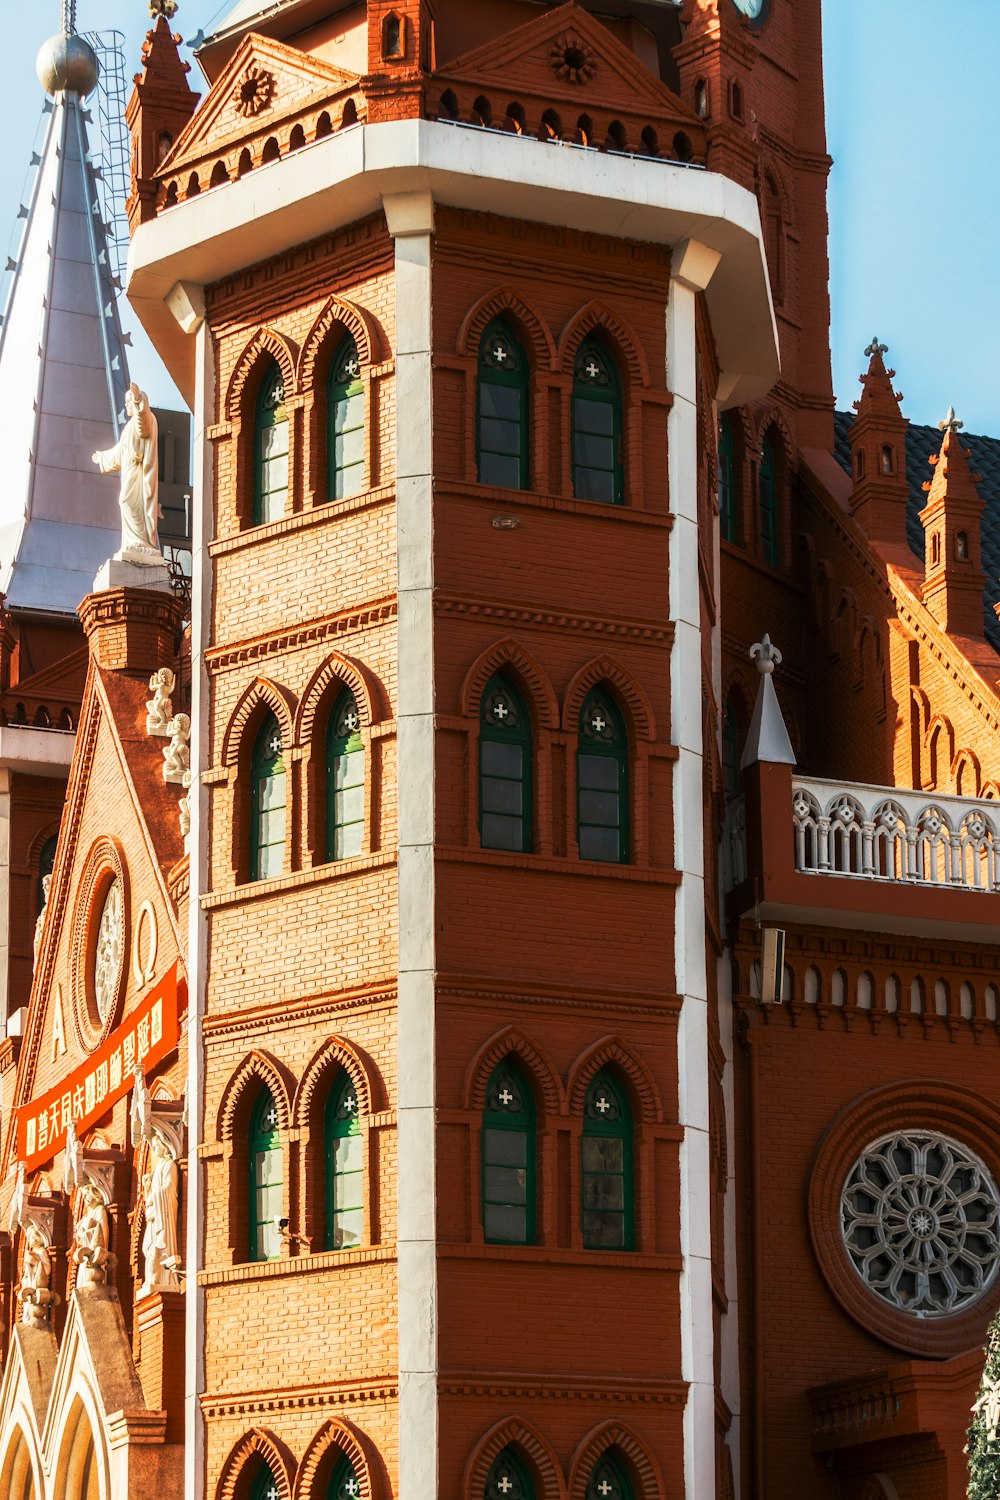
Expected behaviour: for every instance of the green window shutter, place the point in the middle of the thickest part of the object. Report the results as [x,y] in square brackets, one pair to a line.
[767,486]
[265,1179]
[267,803]
[727,493]
[508,1478]
[597,427]
[607,1189]
[344,1483]
[265,1486]
[505,790]
[508,1159]
[502,409]
[270,451]
[346,413]
[344,1168]
[602,780]
[608,1480]
[345,780]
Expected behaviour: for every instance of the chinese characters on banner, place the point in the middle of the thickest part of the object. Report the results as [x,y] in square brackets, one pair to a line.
[145,1036]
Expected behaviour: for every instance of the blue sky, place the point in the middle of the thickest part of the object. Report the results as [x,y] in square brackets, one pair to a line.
[914,222]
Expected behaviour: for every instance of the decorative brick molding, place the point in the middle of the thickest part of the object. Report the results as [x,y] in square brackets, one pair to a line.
[335,1439]
[105,864]
[619,1054]
[258,1447]
[647,1482]
[510,655]
[597,317]
[512,1042]
[627,690]
[131,630]
[506,302]
[531,1448]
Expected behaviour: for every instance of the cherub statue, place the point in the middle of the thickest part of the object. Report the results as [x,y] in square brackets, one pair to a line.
[135,457]
[176,755]
[36,1273]
[159,709]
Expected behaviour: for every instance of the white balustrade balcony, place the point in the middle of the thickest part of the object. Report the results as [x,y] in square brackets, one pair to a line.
[879,833]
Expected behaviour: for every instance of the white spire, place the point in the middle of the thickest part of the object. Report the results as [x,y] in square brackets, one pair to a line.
[767,737]
[63,371]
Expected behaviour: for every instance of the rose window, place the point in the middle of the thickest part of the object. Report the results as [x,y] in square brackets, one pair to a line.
[919,1219]
[108,954]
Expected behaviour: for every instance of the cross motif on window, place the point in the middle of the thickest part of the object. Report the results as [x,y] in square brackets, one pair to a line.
[274,743]
[603,1104]
[500,354]
[598,723]
[593,369]
[505,1096]
[271,1117]
[276,395]
[351,1486]
[352,367]
[605,1487]
[351,1104]
[505,1485]
[351,719]
[272,1494]
[501,711]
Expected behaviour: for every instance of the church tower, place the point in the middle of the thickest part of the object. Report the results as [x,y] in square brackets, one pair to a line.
[452,295]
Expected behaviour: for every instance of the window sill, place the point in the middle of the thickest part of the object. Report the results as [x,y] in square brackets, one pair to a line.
[297,1265]
[539,500]
[254,890]
[315,515]
[644,874]
[634,1260]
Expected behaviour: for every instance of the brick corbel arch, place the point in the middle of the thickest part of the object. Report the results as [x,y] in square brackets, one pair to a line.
[336,1052]
[771,419]
[511,654]
[530,1445]
[257,1443]
[512,1042]
[596,317]
[969,758]
[262,693]
[265,342]
[645,1475]
[343,671]
[625,688]
[496,304]
[261,1068]
[612,1049]
[343,1439]
[347,317]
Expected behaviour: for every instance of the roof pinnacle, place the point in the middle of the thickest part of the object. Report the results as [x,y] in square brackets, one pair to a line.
[876,348]
[951,422]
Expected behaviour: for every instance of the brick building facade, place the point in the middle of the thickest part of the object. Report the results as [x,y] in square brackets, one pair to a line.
[510,1165]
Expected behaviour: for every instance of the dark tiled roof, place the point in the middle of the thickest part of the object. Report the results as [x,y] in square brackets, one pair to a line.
[985,461]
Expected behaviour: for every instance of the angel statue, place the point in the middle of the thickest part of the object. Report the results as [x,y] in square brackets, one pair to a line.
[91,1233]
[136,457]
[160,1190]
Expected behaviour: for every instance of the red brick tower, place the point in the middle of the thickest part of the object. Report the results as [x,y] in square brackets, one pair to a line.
[953,569]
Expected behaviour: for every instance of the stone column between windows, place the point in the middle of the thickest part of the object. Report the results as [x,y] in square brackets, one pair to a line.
[198,846]
[410,217]
[692,268]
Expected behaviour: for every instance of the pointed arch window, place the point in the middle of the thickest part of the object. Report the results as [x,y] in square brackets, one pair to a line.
[508,1478]
[265,1179]
[732,738]
[265,1486]
[268,799]
[597,426]
[344,1483]
[502,405]
[602,780]
[345,1178]
[608,1480]
[345,780]
[346,436]
[606,1166]
[768,502]
[727,493]
[504,768]
[271,450]
[508,1158]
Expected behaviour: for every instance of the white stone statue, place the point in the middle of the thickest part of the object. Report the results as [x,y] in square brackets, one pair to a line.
[40,919]
[159,709]
[184,805]
[91,1233]
[36,1273]
[136,457]
[176,755]
[162,1131]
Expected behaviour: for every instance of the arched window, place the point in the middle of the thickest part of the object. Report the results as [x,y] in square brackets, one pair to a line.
[597,427]
[345,780]
[344,1483]
[345,1179]
[392,36]
[732,747]
[602,780]
[727,491]
[267,815]
[508,1159]
[508,1478]
[265,1179]
[606,1166]
[608,1480]
[265,1486]
[962,545]
[935,549]
[502,425]
[271,450]
[346,435]
[46,863]
[504,768]
[768,504]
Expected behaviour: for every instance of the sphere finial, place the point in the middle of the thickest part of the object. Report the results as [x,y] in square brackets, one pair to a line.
[67,64]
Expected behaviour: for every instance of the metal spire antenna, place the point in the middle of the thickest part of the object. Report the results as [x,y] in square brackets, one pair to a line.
[69,17]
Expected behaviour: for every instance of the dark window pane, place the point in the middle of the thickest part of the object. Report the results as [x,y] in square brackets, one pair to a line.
[598,771]
[600,843]
[499,437]
[594,416]
[601,1190]
[595,452]
[594,484]
[502,833]
[495,468]
[500,401]
[603,808]
[502,760]
[505,1223]
[604,1231]
[506,1148]
[505,1185]
[601,1154]
[502,796]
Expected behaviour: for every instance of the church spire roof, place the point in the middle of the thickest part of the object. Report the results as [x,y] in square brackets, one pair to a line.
[63,370]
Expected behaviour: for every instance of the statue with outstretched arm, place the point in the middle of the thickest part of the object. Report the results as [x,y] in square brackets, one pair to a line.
[135,457]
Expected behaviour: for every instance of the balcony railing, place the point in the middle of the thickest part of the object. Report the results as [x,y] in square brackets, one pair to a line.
[885,834]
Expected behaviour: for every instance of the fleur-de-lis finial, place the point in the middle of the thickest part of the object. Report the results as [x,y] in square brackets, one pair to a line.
[165,8]
[951,422]
[766,656]
[876,348]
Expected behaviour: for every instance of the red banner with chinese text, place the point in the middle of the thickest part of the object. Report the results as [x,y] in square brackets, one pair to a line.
[146,1035]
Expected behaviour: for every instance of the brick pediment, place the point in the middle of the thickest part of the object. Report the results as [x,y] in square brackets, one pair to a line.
[263,86]
[572,59]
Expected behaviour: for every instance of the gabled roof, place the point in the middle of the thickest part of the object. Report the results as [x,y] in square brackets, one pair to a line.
[63,377]
[921,442]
